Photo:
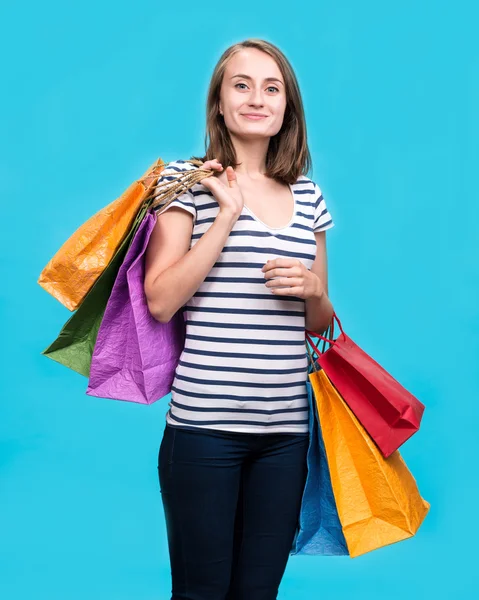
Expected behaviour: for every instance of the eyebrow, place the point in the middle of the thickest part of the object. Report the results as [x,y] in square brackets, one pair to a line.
[243,76]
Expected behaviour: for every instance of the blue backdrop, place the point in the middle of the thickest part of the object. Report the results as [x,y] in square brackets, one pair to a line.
[93,93]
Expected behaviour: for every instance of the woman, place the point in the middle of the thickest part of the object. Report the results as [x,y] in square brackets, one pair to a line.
[244,254]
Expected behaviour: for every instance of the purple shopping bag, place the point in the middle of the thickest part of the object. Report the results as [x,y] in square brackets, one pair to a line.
[135,356]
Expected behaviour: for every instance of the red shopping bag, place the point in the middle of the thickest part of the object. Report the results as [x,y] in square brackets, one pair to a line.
[388,412]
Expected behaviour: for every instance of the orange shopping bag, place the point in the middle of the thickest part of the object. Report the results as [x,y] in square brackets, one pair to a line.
[73,270]
[377,498]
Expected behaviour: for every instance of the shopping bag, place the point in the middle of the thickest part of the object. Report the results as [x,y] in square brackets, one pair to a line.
[74,345]
[388,412]
[73,270]
[377,498]
[135,356]
[319,531]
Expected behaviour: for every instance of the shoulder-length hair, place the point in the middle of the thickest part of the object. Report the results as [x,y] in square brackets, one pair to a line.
[288,155]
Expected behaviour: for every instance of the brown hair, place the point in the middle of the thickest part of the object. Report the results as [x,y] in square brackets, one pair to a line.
[288,155]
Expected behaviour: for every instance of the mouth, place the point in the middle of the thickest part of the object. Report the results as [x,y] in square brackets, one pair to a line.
[254,117]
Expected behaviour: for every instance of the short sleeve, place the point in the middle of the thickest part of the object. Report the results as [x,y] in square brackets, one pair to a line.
[185,201]
[322,217]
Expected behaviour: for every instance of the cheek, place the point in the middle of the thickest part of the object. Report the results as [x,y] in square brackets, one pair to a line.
[276,122]
[231,100]
[277,107]
[279,110]
[235,106]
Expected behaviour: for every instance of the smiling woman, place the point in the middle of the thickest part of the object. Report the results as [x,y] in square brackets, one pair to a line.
[239,254]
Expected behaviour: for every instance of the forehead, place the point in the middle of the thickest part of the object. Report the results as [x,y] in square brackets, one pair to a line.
[253,62]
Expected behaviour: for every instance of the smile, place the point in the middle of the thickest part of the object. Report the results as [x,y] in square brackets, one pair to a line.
[254,117]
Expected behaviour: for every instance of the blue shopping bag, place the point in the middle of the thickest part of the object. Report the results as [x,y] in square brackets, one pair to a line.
[319,531]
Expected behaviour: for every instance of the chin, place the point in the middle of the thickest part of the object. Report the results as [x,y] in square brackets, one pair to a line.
[251,130]
[250,135]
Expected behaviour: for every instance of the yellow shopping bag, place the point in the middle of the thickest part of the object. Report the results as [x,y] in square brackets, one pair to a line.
[71,273]
[377,498]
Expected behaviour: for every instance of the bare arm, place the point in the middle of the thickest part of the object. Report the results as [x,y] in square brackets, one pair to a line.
[173,272]
[319,310]
[169,289]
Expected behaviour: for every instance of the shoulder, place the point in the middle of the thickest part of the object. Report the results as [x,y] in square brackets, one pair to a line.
[182,198]
[322,216]
[316,191]
[172,170]
[176,166]
[306,187]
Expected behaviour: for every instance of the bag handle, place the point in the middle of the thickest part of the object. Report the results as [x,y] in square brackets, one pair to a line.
[311,357]
[314,346]
[321,337]
[308,337]
[330,340]
[165,192]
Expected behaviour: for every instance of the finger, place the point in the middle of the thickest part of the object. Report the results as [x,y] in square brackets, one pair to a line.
[282,272]
[284,282]
[231,176]
[289,291]
[212,183]
[213,164]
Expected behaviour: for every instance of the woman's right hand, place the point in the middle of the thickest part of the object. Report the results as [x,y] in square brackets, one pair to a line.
[228,196]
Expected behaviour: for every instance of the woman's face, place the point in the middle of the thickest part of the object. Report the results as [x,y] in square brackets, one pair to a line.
[252,83]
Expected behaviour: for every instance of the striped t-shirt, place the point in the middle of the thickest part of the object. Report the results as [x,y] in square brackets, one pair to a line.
[244,364]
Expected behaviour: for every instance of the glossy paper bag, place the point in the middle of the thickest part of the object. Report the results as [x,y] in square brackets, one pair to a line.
[74,269]
[377,498]
[388,412]
[319,532]
[73,347]
[135,356]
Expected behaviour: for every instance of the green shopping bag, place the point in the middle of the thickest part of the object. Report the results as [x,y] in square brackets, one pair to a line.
[74,346]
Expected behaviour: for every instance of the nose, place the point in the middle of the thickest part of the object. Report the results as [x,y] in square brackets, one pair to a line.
[256,97]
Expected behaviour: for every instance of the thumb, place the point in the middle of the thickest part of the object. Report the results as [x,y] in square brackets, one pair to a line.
[231,176]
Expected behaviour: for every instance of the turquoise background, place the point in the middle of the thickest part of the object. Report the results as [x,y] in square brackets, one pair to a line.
[93,93]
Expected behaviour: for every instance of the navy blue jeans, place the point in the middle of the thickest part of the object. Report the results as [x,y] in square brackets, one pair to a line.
[232,503]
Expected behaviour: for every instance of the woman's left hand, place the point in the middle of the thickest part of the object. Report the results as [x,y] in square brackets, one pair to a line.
[293,279]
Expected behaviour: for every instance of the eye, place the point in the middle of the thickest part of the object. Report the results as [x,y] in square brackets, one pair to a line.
[271,87]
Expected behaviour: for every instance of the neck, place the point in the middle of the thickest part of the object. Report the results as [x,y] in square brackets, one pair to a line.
[252,156]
